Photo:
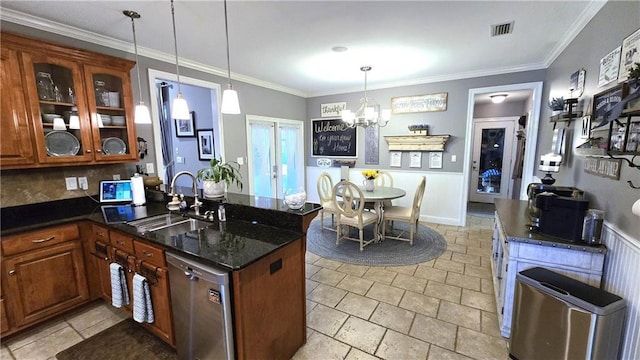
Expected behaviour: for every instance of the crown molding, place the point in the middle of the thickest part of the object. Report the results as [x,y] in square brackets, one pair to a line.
[587,14]
[61,29]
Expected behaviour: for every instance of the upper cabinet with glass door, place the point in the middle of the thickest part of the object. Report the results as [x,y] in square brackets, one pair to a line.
[79,104]
[111,112]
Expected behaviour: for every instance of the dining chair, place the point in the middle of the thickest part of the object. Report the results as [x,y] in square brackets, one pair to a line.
[405,214]
[325,193]
[383,179]
[351,212]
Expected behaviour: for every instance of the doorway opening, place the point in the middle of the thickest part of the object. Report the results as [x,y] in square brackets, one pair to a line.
[532,112]
[176,147]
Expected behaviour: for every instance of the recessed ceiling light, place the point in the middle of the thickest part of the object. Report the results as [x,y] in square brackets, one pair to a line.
[339,48]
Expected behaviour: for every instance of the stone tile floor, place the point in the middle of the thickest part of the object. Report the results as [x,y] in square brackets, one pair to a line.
[441,309]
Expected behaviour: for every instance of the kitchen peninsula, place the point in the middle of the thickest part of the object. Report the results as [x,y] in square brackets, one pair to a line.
[258,234]
[516,248]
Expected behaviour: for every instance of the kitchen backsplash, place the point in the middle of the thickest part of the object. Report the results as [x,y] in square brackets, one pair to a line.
[29,186]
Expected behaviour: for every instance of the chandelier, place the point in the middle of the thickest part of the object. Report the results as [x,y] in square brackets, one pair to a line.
[369,113]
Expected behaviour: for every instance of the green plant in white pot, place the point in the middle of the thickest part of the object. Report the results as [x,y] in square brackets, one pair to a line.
[217,176]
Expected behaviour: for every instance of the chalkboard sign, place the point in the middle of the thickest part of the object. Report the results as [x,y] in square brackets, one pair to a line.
[332,138]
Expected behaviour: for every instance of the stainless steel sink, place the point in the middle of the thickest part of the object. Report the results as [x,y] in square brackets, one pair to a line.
[170,223]
[180,228]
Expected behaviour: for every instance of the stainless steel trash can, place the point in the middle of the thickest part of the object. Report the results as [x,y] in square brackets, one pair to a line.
[556,317]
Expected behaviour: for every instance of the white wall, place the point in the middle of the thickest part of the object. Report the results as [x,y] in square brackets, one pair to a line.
[441,202]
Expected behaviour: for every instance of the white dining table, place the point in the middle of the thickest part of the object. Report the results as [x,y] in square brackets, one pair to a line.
[377,197]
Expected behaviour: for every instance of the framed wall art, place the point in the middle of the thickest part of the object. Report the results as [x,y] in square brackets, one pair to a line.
[206,149]
[186,127]
[333,138]
[419,103]
[603,102]
[630,54]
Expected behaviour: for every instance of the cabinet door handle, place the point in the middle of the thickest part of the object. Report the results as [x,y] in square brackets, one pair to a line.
[88,151]
[12,272]
[147,254]
[98,150]
[43,240]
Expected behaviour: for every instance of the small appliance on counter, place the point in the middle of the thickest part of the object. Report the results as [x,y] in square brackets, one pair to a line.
[537,188]
[561,216]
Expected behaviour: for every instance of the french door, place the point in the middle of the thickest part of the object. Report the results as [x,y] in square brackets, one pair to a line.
[493,146]
[276,155]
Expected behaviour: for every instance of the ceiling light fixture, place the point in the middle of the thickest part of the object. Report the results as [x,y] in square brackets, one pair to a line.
[230,103]
[142,111]
[369,113]
[498,98]
[179,108]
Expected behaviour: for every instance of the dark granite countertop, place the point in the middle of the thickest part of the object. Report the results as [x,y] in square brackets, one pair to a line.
[514,221]
[255,226]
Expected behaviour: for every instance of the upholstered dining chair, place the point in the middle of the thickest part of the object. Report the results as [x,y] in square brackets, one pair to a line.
[405,214]
[325,193]
[351,212]
[383,179]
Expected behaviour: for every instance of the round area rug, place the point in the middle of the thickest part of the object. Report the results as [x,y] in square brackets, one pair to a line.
[427,245]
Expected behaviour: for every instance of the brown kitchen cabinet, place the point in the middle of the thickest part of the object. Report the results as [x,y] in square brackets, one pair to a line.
[152,265]
[43,274]
[15,147]
[122,253]
[262,293]
[98,255]
[57,81]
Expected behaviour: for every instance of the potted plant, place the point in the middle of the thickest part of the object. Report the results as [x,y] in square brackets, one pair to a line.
[556,104]
[215,177]
[369,178]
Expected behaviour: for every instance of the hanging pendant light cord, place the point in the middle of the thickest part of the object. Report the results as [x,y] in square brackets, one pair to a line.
[135,48]
[226,30]
[175,43]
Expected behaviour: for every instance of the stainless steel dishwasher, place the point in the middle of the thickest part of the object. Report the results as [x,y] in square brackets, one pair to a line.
[200,300]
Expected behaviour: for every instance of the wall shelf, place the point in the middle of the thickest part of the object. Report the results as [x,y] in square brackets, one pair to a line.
[417,142]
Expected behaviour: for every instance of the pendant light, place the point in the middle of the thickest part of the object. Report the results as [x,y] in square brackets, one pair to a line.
[179,108]
[369,112]
[142,111]
[230,103]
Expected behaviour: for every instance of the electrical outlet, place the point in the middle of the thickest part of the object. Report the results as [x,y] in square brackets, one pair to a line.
[180,159]
[116,176]
[150,168]
[240,160]
[71,183]
[83,183]
[454,158]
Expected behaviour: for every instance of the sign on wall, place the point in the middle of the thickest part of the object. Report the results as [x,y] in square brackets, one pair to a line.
[332,109]
[419,103]
[332,138]
[605,167]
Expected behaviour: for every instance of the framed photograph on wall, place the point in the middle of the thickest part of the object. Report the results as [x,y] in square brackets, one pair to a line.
[395,159]
[435,160]
[186,127]
[206,149]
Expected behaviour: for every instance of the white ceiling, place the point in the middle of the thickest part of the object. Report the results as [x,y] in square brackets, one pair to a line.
[286,45]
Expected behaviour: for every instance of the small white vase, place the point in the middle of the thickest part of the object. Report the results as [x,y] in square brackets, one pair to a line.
[369,184]
[212,189]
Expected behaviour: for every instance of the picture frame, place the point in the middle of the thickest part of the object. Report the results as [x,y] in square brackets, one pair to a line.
[332,109]
[435,160]
[419,103]
[395,159]
[186,127]
[415,159]
[629,55]
[586,127]
[604,101]
[609,67]
[332,138]
[206,146]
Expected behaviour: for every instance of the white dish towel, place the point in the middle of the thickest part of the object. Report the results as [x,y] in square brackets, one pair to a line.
[142,306]
[119,291]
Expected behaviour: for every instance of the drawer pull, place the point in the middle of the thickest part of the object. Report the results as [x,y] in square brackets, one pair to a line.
[43,240]
[12,272]
[147,254]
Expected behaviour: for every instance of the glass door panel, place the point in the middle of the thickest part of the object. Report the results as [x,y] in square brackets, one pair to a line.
[492,152]
[111,115]
[59,119]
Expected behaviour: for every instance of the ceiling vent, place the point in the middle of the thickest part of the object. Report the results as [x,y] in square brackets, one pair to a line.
[502,29]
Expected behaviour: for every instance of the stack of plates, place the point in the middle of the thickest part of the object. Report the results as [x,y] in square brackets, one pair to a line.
[106,119]
[118,120]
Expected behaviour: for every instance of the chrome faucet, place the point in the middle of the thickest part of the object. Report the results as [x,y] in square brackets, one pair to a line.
[196,204]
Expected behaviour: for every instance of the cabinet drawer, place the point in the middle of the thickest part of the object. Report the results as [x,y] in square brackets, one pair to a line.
[39,239]
[100,233]
[149,253]
[122,242]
